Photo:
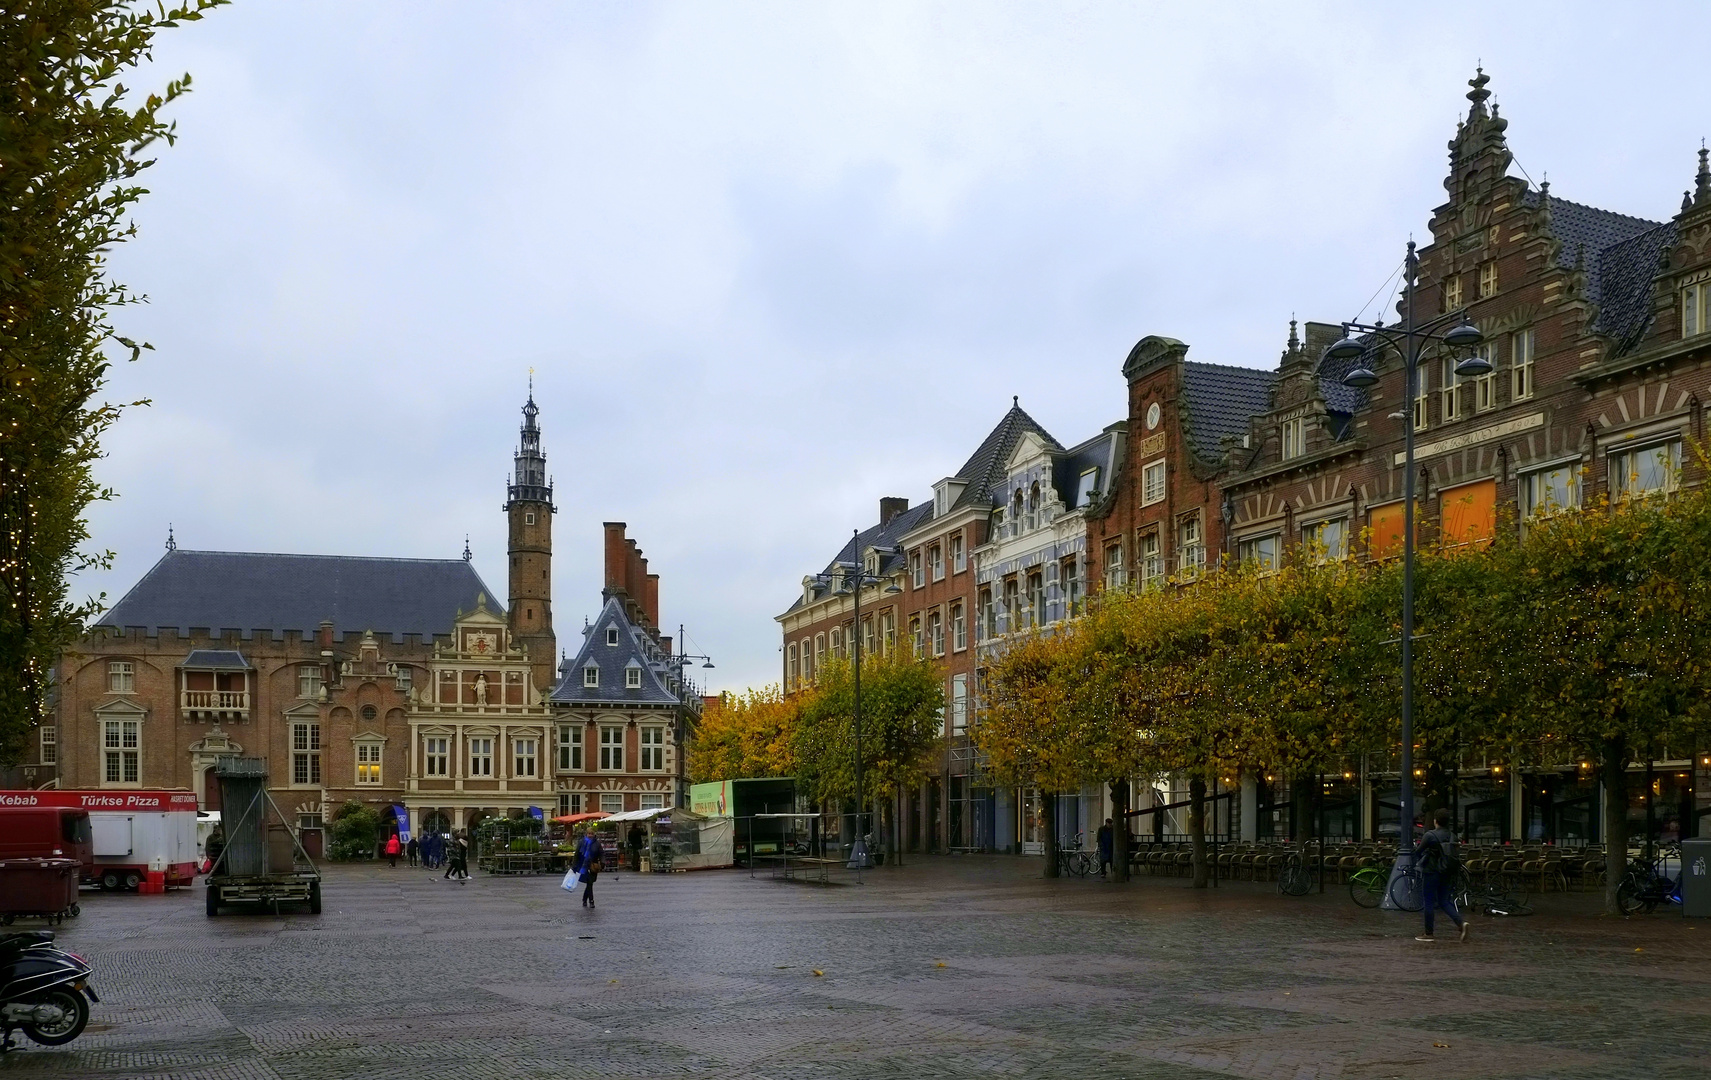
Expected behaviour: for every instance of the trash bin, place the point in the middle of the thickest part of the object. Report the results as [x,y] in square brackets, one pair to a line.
[1696,878]
[41,887]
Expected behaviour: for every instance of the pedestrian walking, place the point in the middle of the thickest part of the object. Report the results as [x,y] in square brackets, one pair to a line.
[1104,847]
[589,853]
[460,859]
[1436,858]
[392,849]
[412,849]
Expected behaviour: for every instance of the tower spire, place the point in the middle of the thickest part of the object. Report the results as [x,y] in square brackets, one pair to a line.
[1702,179]
[529,515]
[171,544]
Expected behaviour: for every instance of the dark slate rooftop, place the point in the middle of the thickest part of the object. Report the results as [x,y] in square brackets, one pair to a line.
[1621,253]
[216,660]
[258,591]
[1220,401]
[1067,467]
[611,661]
[986,468]
[885,537]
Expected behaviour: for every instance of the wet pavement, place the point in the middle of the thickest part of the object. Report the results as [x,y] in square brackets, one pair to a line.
[946,967]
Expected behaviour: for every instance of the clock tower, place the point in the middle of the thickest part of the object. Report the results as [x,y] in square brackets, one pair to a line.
[529,510]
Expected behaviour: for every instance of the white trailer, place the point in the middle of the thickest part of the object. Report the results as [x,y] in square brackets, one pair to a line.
[131,842]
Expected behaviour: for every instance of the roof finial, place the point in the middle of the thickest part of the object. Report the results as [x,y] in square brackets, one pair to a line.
[1294,341]
[1015,401]
[466,553]
[1702,179]
[1479,93]
[171,544]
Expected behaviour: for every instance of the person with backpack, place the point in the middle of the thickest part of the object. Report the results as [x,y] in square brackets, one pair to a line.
[1436,858]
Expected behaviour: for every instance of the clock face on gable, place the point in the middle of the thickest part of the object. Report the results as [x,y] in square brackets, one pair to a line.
[481,642]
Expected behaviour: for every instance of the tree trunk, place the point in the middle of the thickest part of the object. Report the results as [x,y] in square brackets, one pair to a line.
[1615,819]
[1048,803]
[1120,831]
[894,828]
[1197,829]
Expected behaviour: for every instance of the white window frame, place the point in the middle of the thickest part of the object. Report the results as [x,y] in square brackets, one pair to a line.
[1696,307]
[651,800]
[632,678]
[121,677]
[936,632]
[1523,346]
[959,555]
[403,678]
[529,518]
[1488,279]
[525,757]
[959,704]
[1485,386]
[1449,392]
[959,627]
[481,756]
[1452,292]
[308,680]
[917,571]
[792,667]
[570,738]
[1292,438]
[1332,535]
[1191,543]
[1153,482]
[936,561]
[569,802]
[436,756]
[1069,575]
[591,675]
[1539,483]
[122,753]
[306,749]
[1254,549]
[611,635]
[49,745]
[651,747]
[611,748]
[368,763]
[1150,545]
[612,802]
[1114,578]
[1622,472]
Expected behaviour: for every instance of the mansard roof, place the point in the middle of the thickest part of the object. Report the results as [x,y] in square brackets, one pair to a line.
[263,591]
[633,650]
[1220,401]
[1098,452]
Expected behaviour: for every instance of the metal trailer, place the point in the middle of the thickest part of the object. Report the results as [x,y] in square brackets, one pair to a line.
[263,860]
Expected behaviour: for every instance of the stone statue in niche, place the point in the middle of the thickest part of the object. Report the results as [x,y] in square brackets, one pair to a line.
[481,689]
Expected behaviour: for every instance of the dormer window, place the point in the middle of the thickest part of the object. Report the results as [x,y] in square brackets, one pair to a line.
[1696,307]
[611,635]
[633,678]
[590,676]
[1294,438]
[1087,488]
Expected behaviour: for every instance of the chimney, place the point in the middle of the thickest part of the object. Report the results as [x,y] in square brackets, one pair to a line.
[632,579]
[324,636]
[665,645]
[615,564]
[889,507]
[650,598]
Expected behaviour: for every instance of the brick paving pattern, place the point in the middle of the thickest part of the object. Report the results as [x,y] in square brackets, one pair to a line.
[944,968]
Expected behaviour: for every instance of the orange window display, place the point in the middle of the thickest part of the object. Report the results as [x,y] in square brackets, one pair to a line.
[1469,513]
[1385,530]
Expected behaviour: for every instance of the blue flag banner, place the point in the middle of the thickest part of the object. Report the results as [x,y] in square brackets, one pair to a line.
[535,812]
[403,817]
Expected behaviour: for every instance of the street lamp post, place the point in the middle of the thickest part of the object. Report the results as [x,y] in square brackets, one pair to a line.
[1362,344]
[677,663]
[854,581]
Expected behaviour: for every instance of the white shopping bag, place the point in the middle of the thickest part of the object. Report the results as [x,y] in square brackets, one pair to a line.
[569,882]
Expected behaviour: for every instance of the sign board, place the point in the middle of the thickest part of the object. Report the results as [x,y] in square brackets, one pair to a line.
[1460,442]
[155,801]
[711,800]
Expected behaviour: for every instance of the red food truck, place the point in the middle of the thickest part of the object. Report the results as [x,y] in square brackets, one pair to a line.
[117,836]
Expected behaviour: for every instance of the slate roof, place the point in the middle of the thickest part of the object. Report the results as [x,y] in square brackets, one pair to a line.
[1067,467]
[216,660]
[986,467]
[633,649]
[1220,400]
[1621,253]
[258,591]
[885,537]
[1338,397]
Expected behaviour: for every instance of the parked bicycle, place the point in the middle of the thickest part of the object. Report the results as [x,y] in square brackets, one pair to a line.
[1367,885]
[1074,862]
[1646,886]
[1293,877]
[1407,889]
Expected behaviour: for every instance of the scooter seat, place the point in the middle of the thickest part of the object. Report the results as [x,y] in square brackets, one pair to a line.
[24,939]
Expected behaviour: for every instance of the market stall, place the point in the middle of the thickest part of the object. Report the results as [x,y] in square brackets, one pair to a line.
[667,839]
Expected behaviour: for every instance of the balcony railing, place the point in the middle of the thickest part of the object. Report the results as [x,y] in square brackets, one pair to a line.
[223,702]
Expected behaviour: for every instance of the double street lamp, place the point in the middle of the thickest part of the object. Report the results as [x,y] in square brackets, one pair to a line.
[1363,344]
[851,581]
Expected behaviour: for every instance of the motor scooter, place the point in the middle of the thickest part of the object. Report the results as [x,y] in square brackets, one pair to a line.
[44,990]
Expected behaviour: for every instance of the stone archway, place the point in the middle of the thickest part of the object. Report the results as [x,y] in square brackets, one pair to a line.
[205,753]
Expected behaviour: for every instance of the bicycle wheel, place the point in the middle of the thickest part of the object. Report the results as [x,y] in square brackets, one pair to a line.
[1079,864]
[1461,887]
[1294,879]
[1630,897]
[1405,891]
[1366,887]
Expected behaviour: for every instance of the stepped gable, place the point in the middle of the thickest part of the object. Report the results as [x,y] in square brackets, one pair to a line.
[633,649]
[263,591]
[1220,401]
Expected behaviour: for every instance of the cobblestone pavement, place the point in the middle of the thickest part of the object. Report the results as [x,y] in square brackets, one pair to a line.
[944,968]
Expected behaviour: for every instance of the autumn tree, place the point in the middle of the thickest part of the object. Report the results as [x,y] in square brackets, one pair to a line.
[73,141]
[747,735]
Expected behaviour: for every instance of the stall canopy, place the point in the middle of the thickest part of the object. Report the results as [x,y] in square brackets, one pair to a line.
[649,815]
[572,819]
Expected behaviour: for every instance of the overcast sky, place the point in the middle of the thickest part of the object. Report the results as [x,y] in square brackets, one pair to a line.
[772,262]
